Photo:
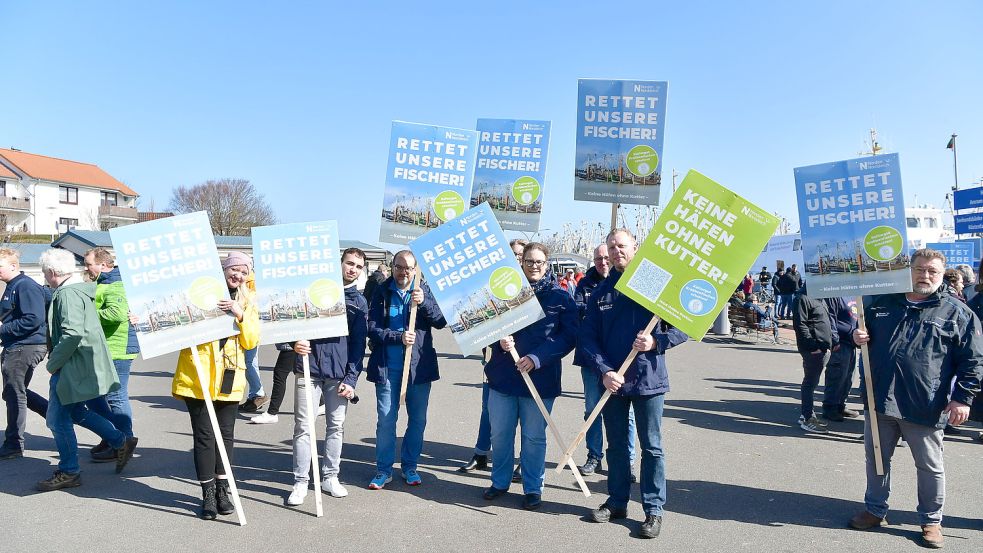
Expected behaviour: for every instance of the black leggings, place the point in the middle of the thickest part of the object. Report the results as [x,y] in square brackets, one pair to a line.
[284,366]
[208,462]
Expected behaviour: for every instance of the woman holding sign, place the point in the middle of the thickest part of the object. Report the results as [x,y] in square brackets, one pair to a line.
[542,346]
[224,362]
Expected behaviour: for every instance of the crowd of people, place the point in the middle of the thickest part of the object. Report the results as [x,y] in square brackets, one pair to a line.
[926,361]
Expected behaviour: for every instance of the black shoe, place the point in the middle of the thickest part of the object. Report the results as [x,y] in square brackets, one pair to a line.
[249,406]
[607,514]
[99,449]
[477,462]
[105,455]
[633,475]
[59,481]
[493,493]
[651,527]
[592,465]
[209,510]
[223,498]
[950,430]
[124,453]
[8,452]
[833,415]
[532,502]
[517,474]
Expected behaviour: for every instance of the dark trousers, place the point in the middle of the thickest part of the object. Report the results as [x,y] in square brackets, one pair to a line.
[839,378]
[208,462]
[17,365]
[812,366]
[284,366]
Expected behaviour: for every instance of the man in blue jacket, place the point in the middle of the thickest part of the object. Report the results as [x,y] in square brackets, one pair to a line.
[926,360]
[612,328]
[389,314]
[23,331]
[842,360]
[335,364]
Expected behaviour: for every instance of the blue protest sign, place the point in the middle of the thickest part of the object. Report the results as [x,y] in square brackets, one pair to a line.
[853,227]
[428,180]
[476,279]
[510,171]
[968,198]
[173,282]
[968,223]
[956,253]
[299,288]
[620,126]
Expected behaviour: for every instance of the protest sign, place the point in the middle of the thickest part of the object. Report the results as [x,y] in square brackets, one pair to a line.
[619,141]
[510,170]
[299,289]
[956,253]
[476,279]
[173,282]
[698,252]
[428,180]
[853,227]
[967,198]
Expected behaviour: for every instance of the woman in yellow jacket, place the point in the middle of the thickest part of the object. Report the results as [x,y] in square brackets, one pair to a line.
[223,360]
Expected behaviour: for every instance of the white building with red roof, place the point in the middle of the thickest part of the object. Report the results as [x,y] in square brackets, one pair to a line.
[47,195]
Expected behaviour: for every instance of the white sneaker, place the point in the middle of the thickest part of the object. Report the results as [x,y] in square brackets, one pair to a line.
[333,487]
[264,418]
[320,410]
[298,495]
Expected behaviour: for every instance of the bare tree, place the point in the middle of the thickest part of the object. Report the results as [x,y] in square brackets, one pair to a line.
[233,205]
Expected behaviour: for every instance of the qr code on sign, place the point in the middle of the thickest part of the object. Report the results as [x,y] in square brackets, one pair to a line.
[649,280]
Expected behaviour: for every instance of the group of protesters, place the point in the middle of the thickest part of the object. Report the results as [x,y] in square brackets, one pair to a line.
[924,377]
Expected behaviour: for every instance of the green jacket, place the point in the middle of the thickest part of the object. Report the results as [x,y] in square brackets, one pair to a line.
[78,346]
[114,313]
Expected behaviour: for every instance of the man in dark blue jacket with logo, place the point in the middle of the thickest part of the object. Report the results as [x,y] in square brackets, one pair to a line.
[335,364]
[389,314]
[926,360]
[612,328]
[23,335]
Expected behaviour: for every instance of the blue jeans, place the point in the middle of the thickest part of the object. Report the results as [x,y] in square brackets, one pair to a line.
[593,390]
[783,305]
[387,410]
[652,478]
[59,420]
[505,412]
[119,401]
[483,444]
[252,374]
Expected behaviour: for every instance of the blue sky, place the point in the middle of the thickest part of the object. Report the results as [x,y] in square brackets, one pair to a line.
[299,97]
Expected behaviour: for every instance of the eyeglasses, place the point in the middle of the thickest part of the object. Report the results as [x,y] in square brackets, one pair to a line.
[533,262]
[403,268]
[927,270]
[599,259]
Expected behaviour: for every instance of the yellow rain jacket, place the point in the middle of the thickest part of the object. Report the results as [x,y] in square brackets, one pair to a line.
[216,359]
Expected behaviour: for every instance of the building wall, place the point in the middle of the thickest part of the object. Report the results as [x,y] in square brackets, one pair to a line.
[48,209]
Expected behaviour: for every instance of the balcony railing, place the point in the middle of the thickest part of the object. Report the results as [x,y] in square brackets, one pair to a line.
[117,212]
[15,204]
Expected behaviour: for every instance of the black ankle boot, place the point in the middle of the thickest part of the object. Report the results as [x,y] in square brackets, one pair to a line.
[224,498]
[208,508]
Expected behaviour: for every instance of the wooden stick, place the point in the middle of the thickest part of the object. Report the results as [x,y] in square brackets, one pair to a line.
[568,453]
[870,413]
[312,434]
[207,394]
[411,327]
[551,424]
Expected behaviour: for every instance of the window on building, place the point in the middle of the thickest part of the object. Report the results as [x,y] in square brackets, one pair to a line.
[3,188]
[68,195]
[931,223]
[912,222]
[65,221]
[108,198]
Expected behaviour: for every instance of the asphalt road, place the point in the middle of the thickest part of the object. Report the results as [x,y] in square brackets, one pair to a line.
[742,476]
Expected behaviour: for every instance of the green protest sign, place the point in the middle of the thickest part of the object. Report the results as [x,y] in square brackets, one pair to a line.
[696,254]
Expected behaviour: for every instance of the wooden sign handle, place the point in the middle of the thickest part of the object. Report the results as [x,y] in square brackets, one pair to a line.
[568,453]
[870,413]
[408,354]
[312,434]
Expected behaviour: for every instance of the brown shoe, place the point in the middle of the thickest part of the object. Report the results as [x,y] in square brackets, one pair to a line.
[932,536]
[865,521]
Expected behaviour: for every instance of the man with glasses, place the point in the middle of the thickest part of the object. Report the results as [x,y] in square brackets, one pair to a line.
[389,314]
[919,342]
[591,378]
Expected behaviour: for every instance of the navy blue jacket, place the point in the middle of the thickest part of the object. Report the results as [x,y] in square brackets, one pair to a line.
[548,339]
[423,360]
[340,357]
[585,288]
[844,318]
[23,313]
[916,349]
[608,331]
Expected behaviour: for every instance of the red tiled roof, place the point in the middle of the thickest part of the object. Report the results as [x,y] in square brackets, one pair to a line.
[6,173]
[63,170]
[144,216]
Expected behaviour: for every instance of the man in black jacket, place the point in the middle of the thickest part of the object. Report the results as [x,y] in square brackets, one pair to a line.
[814,338]
[926,360]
